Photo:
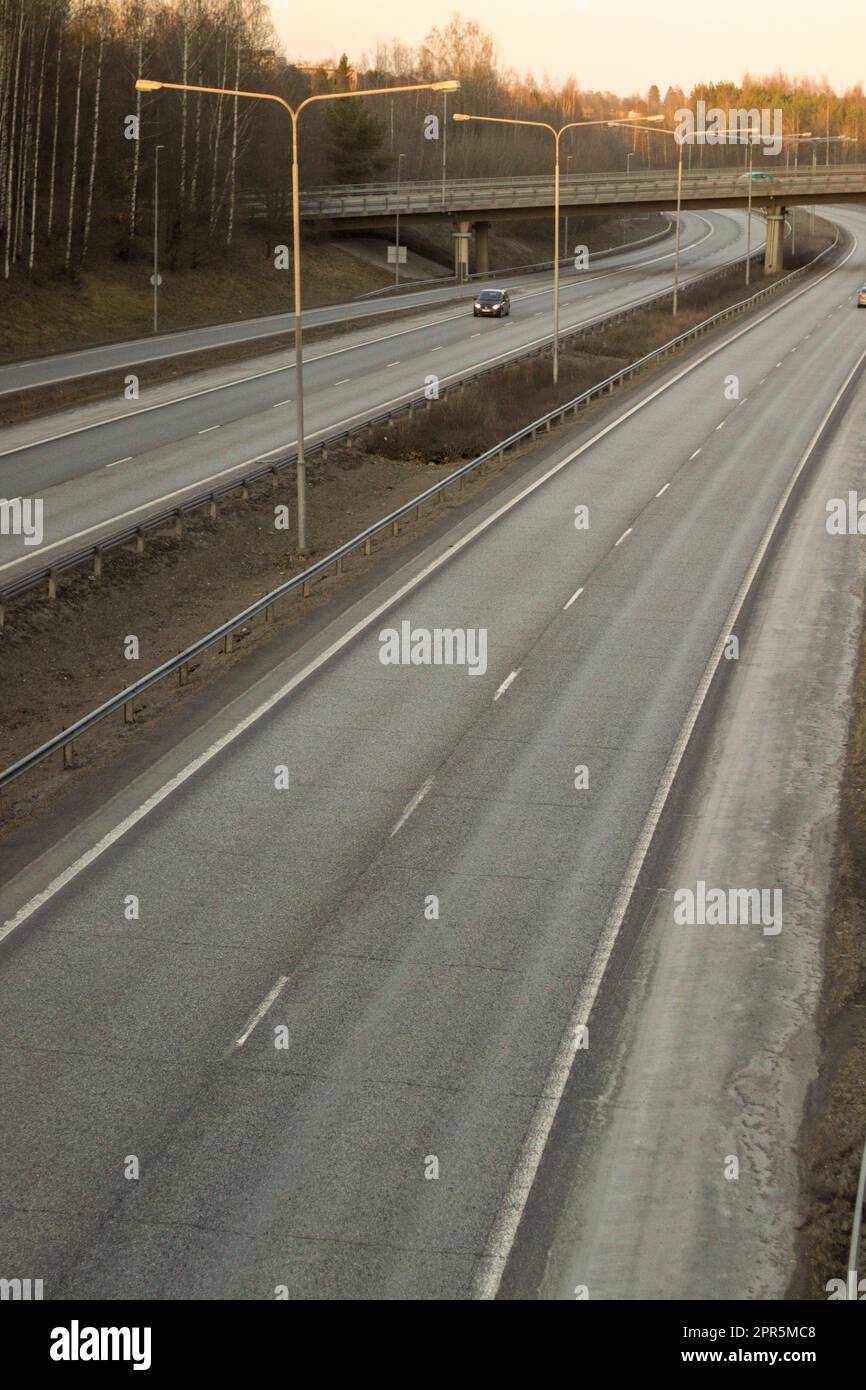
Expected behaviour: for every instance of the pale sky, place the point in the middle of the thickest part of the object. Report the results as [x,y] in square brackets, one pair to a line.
[616,45]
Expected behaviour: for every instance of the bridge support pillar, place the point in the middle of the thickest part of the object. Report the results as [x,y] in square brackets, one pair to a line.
[482,247]
[774,255]
[461,248]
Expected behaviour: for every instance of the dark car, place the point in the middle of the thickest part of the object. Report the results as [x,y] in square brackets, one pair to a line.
[494,302]
[861,297]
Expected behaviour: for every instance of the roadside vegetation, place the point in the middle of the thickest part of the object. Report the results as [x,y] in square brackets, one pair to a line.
[59,660]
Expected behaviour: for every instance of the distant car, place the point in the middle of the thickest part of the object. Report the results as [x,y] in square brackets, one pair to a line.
[861,297]
[756,177]
[493,302]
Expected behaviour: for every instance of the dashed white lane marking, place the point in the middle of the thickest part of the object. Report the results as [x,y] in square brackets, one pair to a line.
[412,806]
[761,382]
[623,536]
[276,405]
[743,401]
[694,455]
[439,349]
[209,428]
[505,1227]
[778,364]
[505,684]
[575,596]
[721,426]
[662,489]
[343,382]
[262,1009]
[475,335]
[128,459]
[393,364]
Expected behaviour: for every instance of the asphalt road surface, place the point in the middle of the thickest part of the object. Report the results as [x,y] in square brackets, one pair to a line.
[69,366]
[105,466]
[330,1037]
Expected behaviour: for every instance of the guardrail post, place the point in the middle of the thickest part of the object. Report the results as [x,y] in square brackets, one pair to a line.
[395,528]
[305,591]
[97,563]
[228,644]
[68,756]
[178,524]
[338,566]
[139,541]
[52,586]
[275,479]
[368,545]
[212,509]
[2,614]
[129,712]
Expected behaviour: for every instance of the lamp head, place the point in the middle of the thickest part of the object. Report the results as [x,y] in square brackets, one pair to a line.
[451,85]
[144,84]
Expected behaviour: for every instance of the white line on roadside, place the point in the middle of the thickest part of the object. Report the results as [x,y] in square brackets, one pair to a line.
[412,806]
[694,455]
[209,428]
[392,364]
[276,405]
[128,459]
[623,536]
[576,595]
[438,349]
[262,1009]
[662,489]
[506,683]
[510,1214]
[491,1264]
[344,382]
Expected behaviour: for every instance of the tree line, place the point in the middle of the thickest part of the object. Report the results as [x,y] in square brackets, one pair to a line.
[78,144]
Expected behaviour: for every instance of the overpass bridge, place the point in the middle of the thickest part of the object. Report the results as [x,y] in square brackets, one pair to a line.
[472,204]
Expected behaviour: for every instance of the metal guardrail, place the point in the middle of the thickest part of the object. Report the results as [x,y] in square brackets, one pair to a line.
[856,1232]
[512,271]
[157,521]
[125,701]
[804,171]
[464,195]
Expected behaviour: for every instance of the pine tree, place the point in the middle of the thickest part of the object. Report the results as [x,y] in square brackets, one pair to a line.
[355,140]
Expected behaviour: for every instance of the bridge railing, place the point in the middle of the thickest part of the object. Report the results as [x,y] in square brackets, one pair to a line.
[644,186]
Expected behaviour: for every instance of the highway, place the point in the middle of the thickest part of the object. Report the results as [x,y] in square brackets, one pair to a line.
[105,465]
[71,366]
[333,1037]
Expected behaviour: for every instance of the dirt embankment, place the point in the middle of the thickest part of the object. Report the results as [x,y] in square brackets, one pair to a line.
[835,1129]
[57,661]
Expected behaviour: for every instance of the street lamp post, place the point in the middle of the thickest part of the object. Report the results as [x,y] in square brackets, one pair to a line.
[557,136]
[147,85]
[156,239]
[400,159]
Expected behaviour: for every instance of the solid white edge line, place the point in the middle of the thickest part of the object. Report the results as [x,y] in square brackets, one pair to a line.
[509,680]
[354,347]
[575,596]
[157,797]
[622,537]
[412,806]
[262,1009]
[662,489]
[421,305]
[491,1264]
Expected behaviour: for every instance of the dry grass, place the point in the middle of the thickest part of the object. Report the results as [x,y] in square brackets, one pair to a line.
[465,424]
